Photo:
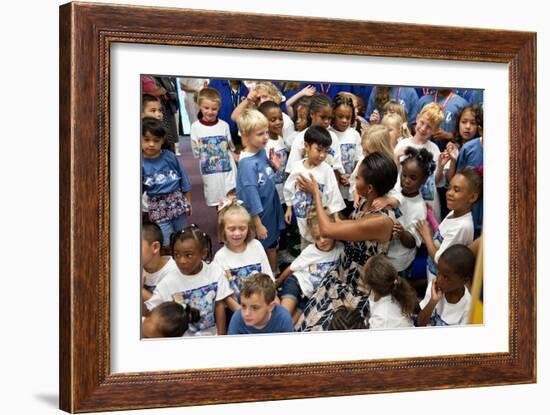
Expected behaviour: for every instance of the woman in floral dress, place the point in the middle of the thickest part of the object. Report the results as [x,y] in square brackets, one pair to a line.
[367,233]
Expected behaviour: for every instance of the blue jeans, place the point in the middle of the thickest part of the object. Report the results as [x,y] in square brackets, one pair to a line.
[170,226]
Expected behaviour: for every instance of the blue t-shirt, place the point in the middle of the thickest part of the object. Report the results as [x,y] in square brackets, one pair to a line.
[473,96]
[256,188]
[404,95]
[471,155]
[230,100]
[163,175]
[280,322]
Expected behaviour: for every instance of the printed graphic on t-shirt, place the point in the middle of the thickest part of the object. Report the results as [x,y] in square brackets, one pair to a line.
[330,156]
[214,155]
[303,202]
[349,152]
[438,240]
[319,270]
[436,320]
[160,178]
[236,276]
[428,189]
[203,299]
[280,175]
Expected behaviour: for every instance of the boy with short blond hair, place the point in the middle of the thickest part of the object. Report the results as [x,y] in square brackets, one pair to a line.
[256,183]
[259,312]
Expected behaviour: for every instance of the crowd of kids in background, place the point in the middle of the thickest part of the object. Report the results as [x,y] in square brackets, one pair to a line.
[256,141]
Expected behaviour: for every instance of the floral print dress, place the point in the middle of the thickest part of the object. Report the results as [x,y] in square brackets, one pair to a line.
[342,286]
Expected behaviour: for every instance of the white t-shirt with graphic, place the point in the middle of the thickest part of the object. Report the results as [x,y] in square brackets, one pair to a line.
[301,201]
[386,313]
[313,264]
[280,175]
[152,279]
[452,231]
[409,212]
[211,144]
[428,189]
[445,313]
[200,291]
[351,151]
[238,266]
[334,158]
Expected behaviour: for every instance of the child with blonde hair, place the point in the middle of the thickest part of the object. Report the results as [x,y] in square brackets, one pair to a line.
[397,128]
[256,183]
[211,142]
[242,255]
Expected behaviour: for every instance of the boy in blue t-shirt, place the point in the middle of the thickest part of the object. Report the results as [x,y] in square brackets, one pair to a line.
[259,312]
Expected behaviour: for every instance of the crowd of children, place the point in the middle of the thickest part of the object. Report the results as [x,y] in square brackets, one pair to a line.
[384,181]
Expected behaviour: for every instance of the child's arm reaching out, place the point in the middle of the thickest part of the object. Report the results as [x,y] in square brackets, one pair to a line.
[426,313]
[220,317]
[283,276]
[424,231]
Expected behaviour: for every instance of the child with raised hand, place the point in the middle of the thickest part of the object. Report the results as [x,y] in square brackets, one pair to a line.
[276,145]
[427,122]
[259,312]
[242,255]
[343,111]
[417,166]
[164,181]
[392,300]
[397,128]
[320,115]
[300,119]
[458,227]
[199,284]
[211,142]
[307,91]
[155,266]
[447,300]
[300,280]
[256,183]
[169,319]
[264,91]
[317,141]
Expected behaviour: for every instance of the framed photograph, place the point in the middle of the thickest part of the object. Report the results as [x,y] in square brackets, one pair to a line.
[104,365]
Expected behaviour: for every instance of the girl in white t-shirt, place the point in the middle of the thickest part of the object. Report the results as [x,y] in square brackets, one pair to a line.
[242,255]
[343,112]
[392,300]
[458,227]
[199,284]
[409,207]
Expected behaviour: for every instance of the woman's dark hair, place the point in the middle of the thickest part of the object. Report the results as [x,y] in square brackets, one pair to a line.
[379,171]
[345,318]
[382,277]
[174,318]
[477,110]
[475,179]
[318,102]
[346,101]
[318,135]
[152,126]
[193,232]
[423,158]
[268,105]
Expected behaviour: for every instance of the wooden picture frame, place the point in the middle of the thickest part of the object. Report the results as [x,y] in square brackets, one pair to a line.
[86,33]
